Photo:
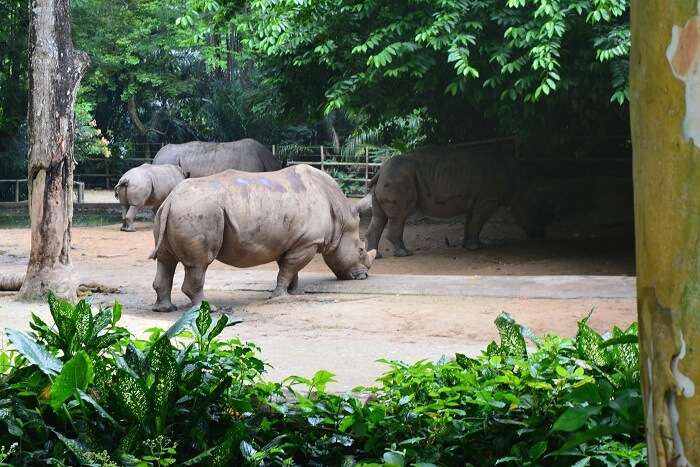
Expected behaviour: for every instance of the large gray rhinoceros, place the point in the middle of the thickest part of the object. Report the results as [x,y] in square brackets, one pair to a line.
[246,219]
[200,159]
[441,181]
[145,185]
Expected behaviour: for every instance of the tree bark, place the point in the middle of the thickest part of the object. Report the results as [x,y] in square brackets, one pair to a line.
[664,109]
[56,69]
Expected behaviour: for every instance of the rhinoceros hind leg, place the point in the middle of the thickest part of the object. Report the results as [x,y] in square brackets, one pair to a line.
[290,264]
[193,285]
[128,221]
[163,283]
[482,212]
[395,236]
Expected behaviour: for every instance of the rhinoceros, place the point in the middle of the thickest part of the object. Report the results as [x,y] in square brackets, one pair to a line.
[145,185]
[246,219]
[199,159]
[443,182]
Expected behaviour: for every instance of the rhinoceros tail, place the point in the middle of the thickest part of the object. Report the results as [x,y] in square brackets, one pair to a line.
[122,183]
[162,220]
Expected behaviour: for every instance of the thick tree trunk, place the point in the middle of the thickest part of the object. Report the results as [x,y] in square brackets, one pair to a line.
[54,76]
[665,70]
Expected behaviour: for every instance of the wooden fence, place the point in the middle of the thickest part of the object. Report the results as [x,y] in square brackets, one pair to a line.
[21,195]
[352,173]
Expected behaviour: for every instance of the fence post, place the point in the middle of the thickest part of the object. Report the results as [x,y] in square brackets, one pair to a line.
[17,191]
[274,150]
[81,192]
[366,170]
[107,179]
[322,158]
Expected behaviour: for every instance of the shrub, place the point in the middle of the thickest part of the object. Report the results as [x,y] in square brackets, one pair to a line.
[84,392]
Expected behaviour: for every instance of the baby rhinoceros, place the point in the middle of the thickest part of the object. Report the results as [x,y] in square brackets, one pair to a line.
[145,186]
[245,219]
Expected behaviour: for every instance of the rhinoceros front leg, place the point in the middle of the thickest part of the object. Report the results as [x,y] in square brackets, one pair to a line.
[482,212]
[290,264]
[193,285]
[376,227]
[163,283]
[128,221]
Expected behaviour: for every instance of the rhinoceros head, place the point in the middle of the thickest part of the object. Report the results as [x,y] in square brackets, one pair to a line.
[350,260]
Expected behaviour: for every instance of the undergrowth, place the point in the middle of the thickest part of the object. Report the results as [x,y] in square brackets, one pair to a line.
[83,391]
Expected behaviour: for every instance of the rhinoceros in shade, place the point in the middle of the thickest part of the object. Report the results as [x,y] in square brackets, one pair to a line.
[443,182]
[145,186]
[246,219]
[200,159]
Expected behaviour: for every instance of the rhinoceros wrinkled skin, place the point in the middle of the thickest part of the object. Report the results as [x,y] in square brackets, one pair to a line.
[443,182]
[246,219]
[200,159]
[145,186]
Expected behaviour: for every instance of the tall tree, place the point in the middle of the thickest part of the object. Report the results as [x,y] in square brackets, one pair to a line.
[665,67]
[55,71]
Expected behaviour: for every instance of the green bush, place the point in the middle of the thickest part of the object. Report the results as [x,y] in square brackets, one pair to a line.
[84,392]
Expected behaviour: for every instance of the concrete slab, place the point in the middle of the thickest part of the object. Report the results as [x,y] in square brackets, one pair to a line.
[559,287]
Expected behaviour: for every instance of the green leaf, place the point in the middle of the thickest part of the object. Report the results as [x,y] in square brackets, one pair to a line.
[34,352]
[394,458]
[136,360]
[512,340]
[183,322]
[162,363]
[624,339]
[116,313]
[74,446]
[218,327]
[63,314]
[321,379]
[76,374]
[537,450]
[98,408]
[84,324]
[131,395]
[574,418]
[203,318]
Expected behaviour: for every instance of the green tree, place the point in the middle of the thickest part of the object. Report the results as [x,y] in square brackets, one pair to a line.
[13,66]
[472,67]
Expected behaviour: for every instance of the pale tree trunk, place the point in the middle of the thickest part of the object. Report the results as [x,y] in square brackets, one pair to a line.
[55,72]
[665,72]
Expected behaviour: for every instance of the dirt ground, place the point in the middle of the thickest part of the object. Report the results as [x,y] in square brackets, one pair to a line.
[347,332]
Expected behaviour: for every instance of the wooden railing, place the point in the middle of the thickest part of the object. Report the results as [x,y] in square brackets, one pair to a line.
[17,183]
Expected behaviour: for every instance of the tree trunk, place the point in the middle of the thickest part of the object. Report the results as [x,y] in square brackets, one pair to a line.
[54,76]
[666,139]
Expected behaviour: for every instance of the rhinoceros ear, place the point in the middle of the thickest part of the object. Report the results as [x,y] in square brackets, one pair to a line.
[371,254]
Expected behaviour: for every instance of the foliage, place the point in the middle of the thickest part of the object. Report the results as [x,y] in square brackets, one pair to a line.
[83,392]
[548,72]
[13,66]
[368,52]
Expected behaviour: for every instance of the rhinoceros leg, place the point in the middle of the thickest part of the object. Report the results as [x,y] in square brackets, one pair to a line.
[482,212]
[290,264]
[193,285]
[376,227]
[395,235]
[128,222]
[163,283]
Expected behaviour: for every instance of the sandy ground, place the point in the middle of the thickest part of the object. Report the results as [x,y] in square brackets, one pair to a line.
[399,313]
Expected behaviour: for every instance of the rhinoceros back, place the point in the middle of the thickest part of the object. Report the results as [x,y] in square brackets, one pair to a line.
[486,170]
[200,159]
[263,215]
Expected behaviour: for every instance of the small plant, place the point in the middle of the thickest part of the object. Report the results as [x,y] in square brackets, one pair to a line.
[87,393]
